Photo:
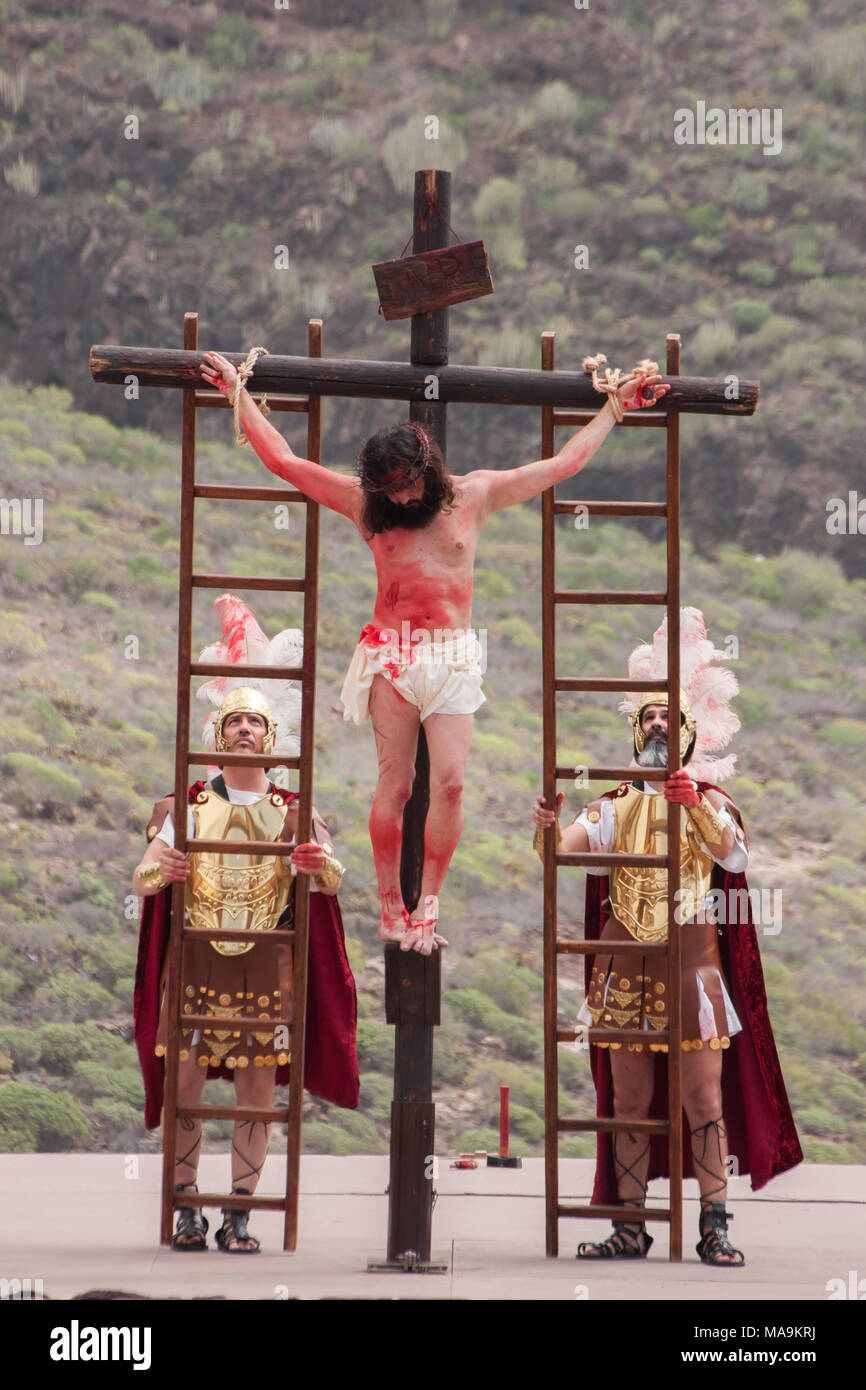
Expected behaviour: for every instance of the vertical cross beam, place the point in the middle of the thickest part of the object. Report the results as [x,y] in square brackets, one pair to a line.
[413,981]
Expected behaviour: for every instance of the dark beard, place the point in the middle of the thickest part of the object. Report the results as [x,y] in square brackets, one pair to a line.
[381,514]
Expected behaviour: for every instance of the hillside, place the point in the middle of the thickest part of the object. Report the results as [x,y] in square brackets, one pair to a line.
[86,745]
[155,161]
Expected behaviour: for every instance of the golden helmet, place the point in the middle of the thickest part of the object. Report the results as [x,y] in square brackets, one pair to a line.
[688,727]
[245,699]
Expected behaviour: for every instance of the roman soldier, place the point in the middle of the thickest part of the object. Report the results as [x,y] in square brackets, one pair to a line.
[252,893]
[733,1092]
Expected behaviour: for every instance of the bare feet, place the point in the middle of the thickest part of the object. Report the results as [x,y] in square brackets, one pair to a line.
[422,935]
[394,928]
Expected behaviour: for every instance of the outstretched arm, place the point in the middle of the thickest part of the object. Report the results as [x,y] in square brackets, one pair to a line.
[323,485]
[512,485]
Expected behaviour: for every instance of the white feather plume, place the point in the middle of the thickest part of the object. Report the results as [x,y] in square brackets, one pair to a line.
[245,643]
[709,689]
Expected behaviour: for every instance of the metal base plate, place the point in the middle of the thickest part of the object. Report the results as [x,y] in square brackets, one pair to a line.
[407,1263]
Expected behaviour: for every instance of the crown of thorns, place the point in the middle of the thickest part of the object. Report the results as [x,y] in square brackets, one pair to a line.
[407,472]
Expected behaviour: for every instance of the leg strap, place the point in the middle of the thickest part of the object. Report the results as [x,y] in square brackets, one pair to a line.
[714,1247]
[192,1227]
[234,1231]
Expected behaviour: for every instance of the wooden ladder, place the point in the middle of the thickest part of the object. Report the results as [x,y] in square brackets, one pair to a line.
[554,946]
[186,758]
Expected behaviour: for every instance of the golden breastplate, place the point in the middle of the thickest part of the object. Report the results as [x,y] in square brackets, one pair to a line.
[237,892]
[639,897]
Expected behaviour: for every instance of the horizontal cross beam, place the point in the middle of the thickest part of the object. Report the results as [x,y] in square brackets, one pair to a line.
[338,376]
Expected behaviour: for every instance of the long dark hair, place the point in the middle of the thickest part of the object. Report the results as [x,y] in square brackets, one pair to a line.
[409,446]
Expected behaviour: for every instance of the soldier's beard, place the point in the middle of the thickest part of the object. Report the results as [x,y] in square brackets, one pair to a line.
[655,753]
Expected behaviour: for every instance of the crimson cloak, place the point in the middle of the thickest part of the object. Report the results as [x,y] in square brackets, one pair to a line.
[755,1105]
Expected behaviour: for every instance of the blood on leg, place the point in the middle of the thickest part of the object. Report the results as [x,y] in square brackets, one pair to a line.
[395,726]
[448,740]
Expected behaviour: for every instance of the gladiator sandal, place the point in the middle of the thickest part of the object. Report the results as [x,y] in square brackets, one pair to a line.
[714,1247]
[234,1230]
[192,1226]
[630,1241]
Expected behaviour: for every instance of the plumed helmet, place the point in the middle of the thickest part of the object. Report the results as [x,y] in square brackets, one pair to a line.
[706,690]
[688,727]
[245,700]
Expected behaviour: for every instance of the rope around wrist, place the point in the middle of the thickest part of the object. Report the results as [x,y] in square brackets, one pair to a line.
[614,378]
[245,371]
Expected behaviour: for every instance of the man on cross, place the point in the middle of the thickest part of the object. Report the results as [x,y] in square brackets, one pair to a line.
[419,659]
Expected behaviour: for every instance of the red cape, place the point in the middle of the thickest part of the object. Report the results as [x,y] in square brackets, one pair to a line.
[755,1104]
[330,1055]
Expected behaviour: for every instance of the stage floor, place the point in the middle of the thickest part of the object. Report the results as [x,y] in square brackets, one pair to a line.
[91,1221]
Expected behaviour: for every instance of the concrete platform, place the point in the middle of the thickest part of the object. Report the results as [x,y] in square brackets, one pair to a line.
[84,1221]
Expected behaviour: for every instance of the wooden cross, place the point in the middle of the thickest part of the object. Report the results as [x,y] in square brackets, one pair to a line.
[413,981]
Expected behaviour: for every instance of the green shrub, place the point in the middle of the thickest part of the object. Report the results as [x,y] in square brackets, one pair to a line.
[470,1140]
[22,1044]
[15,429]
[375,1045]
[526,1123]
[97,893]
[19,640]
[498,200]
[39,788]
[44,1121]
[749,314]
[118,1119]
[62,1045]
[79,998]
[10,984]
[96,1081]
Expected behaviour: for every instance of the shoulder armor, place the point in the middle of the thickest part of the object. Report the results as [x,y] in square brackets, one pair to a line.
[157,816]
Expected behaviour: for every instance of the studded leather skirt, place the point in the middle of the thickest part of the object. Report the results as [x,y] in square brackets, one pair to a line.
[631,991]
[257,984]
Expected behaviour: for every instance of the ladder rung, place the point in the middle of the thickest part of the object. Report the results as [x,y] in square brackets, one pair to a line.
[240,1201]
[604,1213]
[565,773]
[282,847]
[217,934]
[215,401]
[605,683]
[630,419]
[237,1024]
[613,1125]
[228,668]
[230,1112]
[594,948]
[249,494]
[609,596]
[247,581]
[207,756]
[634,861]
[612,508]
